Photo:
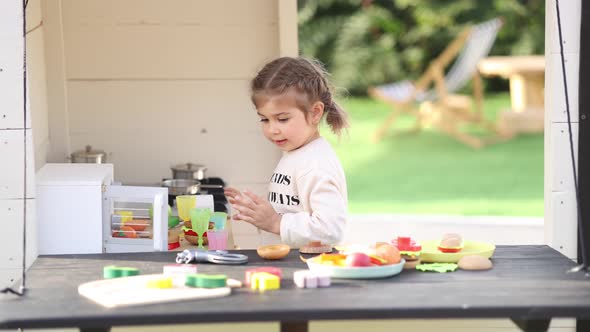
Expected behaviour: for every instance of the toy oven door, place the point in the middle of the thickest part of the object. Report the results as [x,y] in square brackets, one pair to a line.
[135,219]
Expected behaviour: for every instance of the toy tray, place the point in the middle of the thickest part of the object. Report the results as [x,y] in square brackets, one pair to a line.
[431,254]
[369,272]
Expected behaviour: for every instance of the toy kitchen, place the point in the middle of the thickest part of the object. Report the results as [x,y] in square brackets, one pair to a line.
[81,209]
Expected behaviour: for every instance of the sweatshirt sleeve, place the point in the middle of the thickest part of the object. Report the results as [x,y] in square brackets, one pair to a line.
[328,206]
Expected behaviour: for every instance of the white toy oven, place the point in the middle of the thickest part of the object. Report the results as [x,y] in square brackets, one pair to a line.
[80,211]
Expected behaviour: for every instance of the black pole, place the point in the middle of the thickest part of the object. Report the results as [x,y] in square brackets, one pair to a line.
[584,133]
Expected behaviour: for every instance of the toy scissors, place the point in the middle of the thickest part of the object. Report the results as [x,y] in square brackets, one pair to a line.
[211,256]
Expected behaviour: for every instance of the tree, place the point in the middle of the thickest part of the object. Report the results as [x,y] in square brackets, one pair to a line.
[365,42]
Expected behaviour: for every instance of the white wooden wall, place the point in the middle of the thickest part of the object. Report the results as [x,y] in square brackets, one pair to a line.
[12,151]
[560,208]
[156,83]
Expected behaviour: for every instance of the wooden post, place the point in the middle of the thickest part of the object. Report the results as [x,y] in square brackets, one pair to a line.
[16,150]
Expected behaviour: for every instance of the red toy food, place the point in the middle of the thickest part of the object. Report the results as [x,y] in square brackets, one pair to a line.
[409,250]
[357,259]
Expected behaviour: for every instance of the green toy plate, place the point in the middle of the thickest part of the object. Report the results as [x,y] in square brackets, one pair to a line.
[431,254]
[370,272]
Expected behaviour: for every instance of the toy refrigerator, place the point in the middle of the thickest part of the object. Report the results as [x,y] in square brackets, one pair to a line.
[80,210]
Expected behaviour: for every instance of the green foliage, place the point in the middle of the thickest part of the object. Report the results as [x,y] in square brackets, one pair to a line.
[364,42]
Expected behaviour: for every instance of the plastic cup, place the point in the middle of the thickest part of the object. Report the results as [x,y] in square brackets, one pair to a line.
[200,222]
[219,219]
[217,240]
[185,203]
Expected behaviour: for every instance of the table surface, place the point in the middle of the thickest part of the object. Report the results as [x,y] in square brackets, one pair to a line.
[527,282]
[511,65]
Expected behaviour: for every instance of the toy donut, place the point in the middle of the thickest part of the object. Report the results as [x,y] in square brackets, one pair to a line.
[273,251]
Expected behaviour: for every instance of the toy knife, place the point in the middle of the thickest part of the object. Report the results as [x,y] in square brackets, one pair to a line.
[210,256]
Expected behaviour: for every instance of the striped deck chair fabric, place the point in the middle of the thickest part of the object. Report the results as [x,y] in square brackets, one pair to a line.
[476,47]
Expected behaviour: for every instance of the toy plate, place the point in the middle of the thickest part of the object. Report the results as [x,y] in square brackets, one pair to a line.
[369,272]
[431,254]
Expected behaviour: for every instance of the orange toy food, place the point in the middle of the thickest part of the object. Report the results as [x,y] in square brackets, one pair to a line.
[388,252]
[137,224]
[125,231]
[273,251]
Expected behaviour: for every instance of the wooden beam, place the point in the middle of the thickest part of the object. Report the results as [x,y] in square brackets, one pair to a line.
[584,134]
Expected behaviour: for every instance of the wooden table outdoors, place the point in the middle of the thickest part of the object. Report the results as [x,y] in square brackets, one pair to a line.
[528,284]
[527,79]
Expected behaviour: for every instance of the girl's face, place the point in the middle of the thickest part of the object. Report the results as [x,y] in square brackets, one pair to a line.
[286,126]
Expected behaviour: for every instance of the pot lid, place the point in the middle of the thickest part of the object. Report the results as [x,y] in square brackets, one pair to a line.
[89,153]
[189,167]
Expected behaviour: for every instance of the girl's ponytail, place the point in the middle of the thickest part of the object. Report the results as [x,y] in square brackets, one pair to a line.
[336,117]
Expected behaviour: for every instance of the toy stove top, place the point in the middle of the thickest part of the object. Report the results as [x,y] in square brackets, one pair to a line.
[219,199]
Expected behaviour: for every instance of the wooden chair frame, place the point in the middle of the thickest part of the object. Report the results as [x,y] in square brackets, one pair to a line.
[455,109]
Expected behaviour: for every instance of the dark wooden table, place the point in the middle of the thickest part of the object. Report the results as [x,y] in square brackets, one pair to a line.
[528,284]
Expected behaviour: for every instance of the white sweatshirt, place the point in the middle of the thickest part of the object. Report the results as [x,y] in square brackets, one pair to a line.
[308,188]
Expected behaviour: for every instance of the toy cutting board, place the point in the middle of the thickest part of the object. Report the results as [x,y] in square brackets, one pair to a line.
[129,291]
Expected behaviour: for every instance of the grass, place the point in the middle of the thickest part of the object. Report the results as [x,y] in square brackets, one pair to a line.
[431,173]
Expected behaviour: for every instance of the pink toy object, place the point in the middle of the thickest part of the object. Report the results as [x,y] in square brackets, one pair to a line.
[310,279]
[405,243]
[269,269]
[217,239]
[176,269]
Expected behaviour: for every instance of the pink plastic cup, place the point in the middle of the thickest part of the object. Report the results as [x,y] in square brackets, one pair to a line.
[217,239]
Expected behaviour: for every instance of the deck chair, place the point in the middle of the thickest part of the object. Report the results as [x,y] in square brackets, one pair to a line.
[439,106]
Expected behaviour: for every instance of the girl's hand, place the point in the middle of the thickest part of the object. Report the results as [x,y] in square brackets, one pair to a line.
[256,211]
[231,194]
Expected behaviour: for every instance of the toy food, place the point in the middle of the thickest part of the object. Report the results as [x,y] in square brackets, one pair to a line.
[451,242]
[409,250]
[331,259]
[174,237]
[315,247]
[474,262]
[376,260]
[358,259]
[192,237]
[125,231]
[273,251]
[265,281]
[137,224]
[160,283]
[437,267]
[310,279]
[268,269]
[206,280]
[112,271]
[388,252]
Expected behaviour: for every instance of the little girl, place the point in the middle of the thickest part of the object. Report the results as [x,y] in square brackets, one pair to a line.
[307,199]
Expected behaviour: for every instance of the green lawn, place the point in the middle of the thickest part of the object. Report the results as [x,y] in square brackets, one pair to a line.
[431,173]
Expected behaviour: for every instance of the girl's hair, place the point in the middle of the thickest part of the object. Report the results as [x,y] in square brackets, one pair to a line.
[305,77]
